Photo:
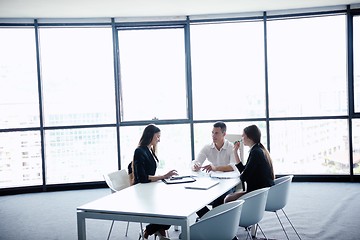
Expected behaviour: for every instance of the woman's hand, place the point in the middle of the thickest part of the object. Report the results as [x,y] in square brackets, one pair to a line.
[236,146]
[236,150]
[170,174]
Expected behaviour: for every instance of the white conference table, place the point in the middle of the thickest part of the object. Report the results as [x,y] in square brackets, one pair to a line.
[154,202]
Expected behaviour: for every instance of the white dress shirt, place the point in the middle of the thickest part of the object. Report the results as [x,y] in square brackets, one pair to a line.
[222,157]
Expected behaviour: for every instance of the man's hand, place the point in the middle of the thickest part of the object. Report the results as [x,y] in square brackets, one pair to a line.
[196,167]
[208,168]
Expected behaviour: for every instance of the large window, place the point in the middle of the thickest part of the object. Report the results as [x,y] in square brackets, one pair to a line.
[310,147]
[19,102]
[20,159]
[78,76]
[61,91]
[153,81]
[80,155]
[228,73]
[307,67]
[174,148]
[357,63]
[356,146]
[20,152]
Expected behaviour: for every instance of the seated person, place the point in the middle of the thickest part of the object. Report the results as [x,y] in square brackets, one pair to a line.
[142,170]
[220,154]
[258,171]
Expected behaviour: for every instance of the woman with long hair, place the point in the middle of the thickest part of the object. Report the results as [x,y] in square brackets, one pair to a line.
[258,171]
[143,169]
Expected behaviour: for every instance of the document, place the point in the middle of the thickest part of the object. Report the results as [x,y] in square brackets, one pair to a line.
[225,175]
[202,183]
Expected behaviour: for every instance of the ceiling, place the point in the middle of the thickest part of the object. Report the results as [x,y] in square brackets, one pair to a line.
[149,8]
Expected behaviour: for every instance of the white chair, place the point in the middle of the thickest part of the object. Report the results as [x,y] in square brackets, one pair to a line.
[253,209]
[220,222]
[117,181]
[278,197]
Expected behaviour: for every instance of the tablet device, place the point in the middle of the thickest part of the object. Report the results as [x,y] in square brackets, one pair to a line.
[179,179]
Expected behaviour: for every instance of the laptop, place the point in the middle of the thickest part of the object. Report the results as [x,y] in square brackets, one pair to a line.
[202,183]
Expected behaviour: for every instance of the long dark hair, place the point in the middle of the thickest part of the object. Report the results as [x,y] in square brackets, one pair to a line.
[148,135]
[145,140]
[254,133]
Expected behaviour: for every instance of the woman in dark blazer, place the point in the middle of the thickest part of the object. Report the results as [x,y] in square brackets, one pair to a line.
[143,169]
[258,171]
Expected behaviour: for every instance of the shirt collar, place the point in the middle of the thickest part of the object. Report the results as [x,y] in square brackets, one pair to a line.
[225,146]
[252,147]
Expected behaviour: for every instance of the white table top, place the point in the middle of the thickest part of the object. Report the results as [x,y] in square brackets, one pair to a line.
[159,199]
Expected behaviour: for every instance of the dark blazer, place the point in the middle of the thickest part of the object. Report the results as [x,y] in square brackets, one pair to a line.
[144,164]
[257,171]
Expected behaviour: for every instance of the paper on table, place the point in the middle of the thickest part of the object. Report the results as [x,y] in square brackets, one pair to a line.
[225,175]
[202,183]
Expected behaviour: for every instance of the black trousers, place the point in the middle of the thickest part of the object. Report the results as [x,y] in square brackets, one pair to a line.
[153,228]
[215,203]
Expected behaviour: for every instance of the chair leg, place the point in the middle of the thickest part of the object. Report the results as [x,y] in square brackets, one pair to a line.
[141,230]
[281,225]
[261,231]
[291,224]
[253,230]
[127,228]
[248,233]
[112,224]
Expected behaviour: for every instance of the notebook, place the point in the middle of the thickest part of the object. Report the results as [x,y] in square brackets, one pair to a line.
[179,179]
[202,184]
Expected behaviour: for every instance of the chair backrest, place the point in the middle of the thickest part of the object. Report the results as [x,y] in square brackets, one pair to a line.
[219,223]
[117,180]
[253,207]
[278,194]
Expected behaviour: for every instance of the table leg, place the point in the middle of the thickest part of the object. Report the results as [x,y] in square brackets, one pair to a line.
[81,226]
[185,231]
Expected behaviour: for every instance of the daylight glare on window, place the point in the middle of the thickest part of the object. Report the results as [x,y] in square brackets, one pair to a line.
[228,74]
[152,74]
[307,66]
[78,75]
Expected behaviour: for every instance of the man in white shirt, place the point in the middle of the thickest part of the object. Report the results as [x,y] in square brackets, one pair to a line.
[220,154]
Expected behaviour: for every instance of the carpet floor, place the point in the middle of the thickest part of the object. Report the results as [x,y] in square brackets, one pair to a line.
[317,210]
